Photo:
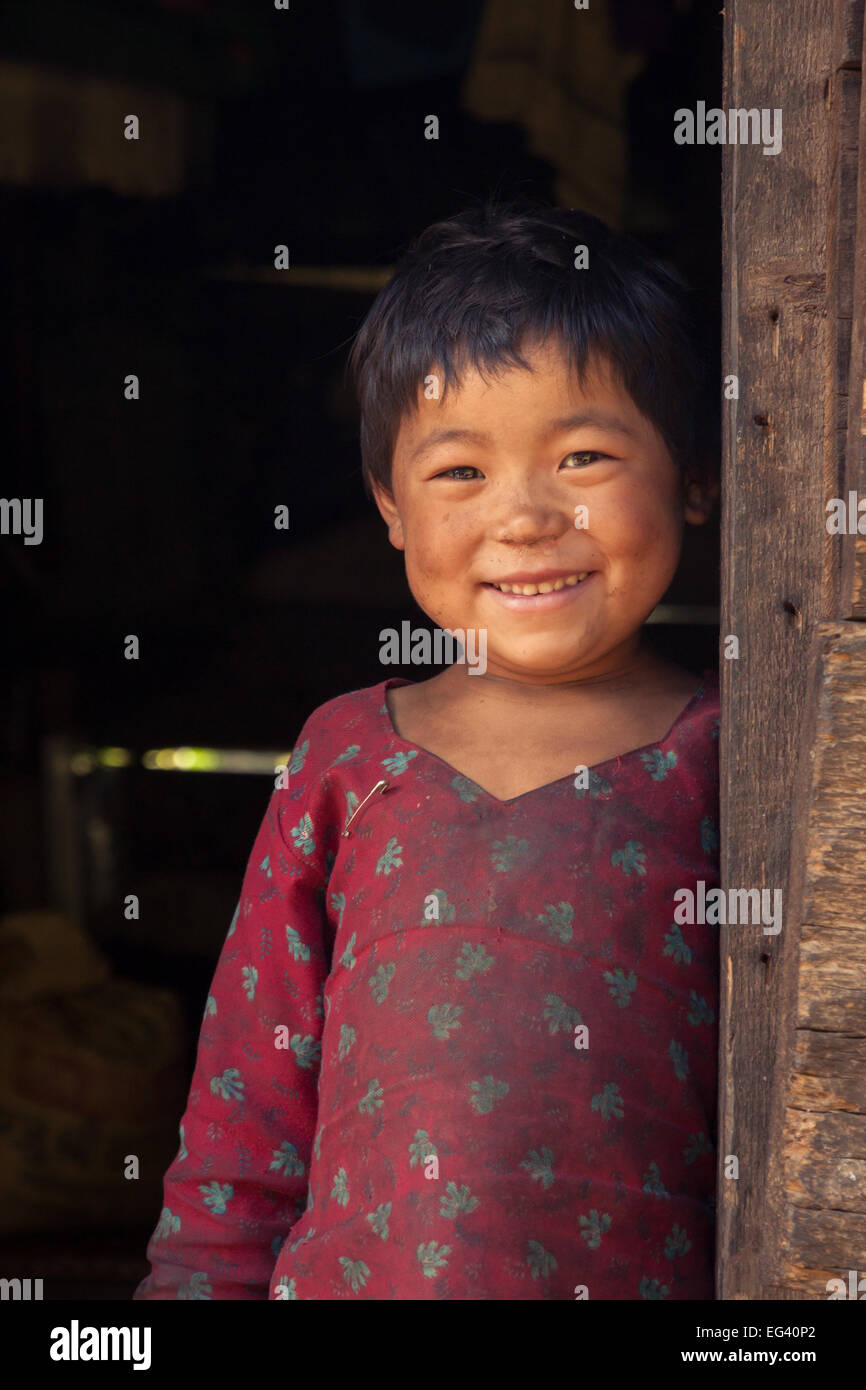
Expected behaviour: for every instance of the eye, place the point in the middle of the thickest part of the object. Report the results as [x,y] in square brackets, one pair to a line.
[464,468]
[587,455]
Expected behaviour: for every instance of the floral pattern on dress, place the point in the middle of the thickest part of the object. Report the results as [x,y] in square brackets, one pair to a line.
[464,1050]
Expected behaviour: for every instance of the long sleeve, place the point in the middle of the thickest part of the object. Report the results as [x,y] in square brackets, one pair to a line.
[239,1181]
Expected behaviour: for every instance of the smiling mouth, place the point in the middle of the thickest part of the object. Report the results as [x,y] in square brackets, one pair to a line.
[544,587]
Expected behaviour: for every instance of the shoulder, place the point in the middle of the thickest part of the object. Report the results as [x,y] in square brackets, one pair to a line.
[710,691]
[334,744]
[347,731]
[702,716]
[693,687]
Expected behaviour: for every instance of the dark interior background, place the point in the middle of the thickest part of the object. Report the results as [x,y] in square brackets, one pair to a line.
[155,257]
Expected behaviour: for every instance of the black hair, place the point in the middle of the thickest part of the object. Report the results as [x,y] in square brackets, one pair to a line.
[472,288]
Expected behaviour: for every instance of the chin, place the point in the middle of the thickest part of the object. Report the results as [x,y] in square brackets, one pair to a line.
[550,663]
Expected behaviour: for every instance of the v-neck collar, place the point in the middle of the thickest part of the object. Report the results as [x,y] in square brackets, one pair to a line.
[617,760]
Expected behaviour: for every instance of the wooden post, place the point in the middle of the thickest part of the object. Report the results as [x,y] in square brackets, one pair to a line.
[792,1095]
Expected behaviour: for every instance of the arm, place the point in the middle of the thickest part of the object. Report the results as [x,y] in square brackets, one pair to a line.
[239,1181]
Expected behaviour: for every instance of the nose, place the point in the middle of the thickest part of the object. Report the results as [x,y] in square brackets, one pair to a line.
[528,520]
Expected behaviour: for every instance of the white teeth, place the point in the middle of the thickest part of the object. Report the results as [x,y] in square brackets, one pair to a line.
[545,587]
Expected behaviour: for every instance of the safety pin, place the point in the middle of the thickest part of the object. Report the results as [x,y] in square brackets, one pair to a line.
[380,786]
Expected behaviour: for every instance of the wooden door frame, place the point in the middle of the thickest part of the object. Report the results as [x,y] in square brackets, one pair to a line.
[792,1040]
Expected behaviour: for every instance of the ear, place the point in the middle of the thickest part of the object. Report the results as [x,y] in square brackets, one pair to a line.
[384,500]
[701,492]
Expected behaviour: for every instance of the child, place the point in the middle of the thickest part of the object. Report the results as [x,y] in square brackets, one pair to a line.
[459,1044]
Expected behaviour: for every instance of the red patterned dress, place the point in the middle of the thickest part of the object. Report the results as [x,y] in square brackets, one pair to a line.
[463,1050]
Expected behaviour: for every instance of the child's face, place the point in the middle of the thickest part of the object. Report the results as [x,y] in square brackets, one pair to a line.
[509,510]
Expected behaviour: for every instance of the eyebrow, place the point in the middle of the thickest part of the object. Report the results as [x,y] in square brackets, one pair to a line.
[599,419]
[437,437]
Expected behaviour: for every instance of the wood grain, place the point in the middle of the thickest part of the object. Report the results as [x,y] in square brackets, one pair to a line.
[824,1146]
[790,298]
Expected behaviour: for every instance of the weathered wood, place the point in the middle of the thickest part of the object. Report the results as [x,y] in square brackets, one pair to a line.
[832,983]
[825,1162]
[851,550]
[827,1245]
[823,1154]
[843,97]
[829,1072]
[848,33]
[785,293]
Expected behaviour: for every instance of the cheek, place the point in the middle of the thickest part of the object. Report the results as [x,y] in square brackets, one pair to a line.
[421,563]
[640,521]
[436,542]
